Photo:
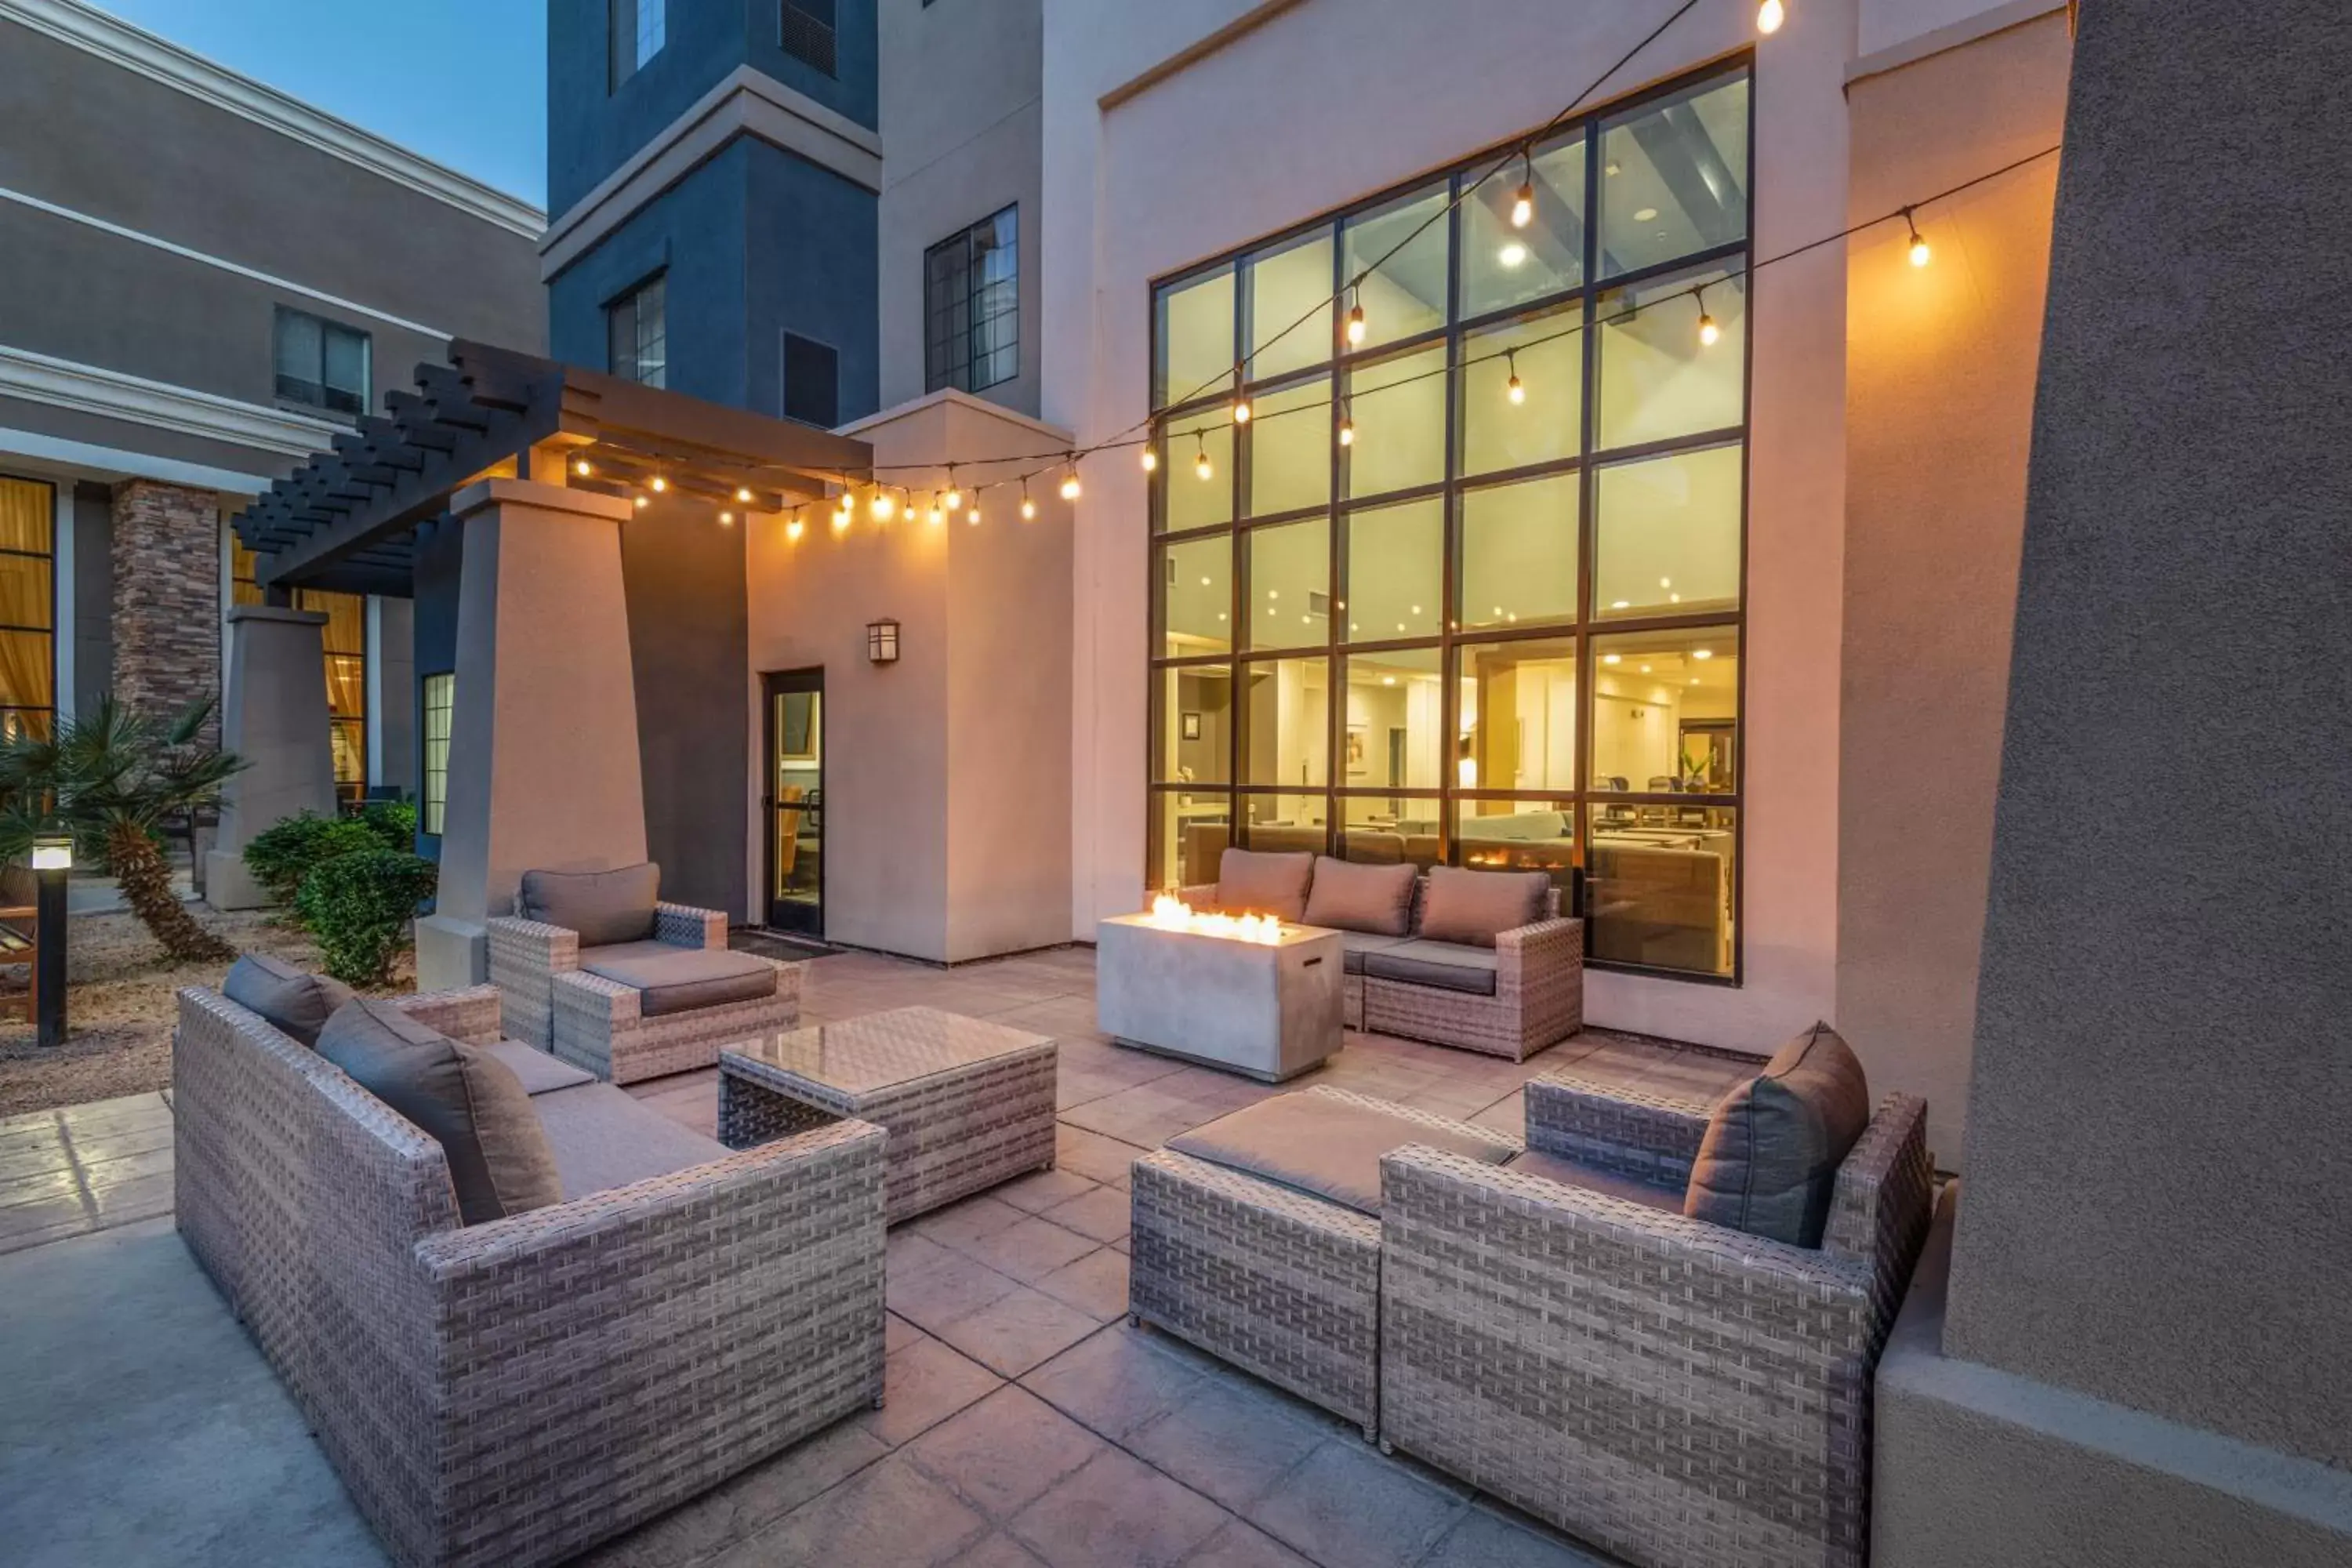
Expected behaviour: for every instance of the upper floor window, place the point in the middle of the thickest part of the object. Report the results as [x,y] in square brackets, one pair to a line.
[322,363]
[812,382]
[971,306]
[639,27]
[805,32]
[638,334]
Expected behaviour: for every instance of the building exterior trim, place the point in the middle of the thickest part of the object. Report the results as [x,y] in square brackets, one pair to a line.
[1983,25]
[1183,60]
[335,302]
[55,456]
[748,102]
[1053,434]
[136,50]
[91,389]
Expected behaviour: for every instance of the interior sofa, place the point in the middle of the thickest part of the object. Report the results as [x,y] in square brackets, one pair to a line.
[1667,903]
[514,1391]
[596,968]
[1479,960]
[1659,1328]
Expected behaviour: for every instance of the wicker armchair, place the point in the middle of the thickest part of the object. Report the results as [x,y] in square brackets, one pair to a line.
[599,1023]
[515,1391]
[1682,1394]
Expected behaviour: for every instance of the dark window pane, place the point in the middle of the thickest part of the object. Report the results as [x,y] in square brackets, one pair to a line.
[805,32]
[971,306]
[812,380]
[1661,894]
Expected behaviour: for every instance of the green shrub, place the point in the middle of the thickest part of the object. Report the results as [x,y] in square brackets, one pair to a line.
[281,856]
[394,822]
[357,908]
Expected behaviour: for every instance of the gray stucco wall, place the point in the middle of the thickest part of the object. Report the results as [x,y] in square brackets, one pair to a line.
[392,761]
[2161,1122]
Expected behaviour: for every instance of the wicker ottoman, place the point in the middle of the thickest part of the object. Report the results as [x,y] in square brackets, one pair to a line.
[1279,1281]
[967,1104]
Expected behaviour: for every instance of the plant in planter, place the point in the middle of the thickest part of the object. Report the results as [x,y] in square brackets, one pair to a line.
[357,908]
[111,777]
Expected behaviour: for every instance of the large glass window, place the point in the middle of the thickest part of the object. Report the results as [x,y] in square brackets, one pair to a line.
[971,306]
[636,326]
[28,676]
[1466,588]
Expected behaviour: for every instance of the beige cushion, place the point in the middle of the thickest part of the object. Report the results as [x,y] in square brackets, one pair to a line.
[1330,1147]
[1447,965]
[1767,1162]
[1347,897]
[539,1073]
[463,1098]
[602,906]
[1475,907]
[1254,882]
[604,1136]
[294,1001]
[683,979]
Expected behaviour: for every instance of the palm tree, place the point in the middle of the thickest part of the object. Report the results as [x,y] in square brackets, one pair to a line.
[112,778]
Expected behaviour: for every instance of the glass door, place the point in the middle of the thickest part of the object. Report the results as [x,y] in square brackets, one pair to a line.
[795,801]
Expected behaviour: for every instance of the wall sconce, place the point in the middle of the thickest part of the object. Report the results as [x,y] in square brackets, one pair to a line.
[882,642]
[53,852]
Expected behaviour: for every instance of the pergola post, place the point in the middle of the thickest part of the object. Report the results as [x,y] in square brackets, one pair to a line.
[274,716]
[543,764]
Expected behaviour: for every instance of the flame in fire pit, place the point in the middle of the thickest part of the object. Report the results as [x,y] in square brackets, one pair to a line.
[1174,914]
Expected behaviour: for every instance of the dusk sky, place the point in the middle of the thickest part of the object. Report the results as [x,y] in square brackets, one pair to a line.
[461,81]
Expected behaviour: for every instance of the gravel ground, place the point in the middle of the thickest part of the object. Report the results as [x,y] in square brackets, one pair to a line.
[118,1008]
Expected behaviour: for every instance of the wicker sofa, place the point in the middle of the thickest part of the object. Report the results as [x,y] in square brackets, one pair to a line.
[1684,1395]
[615,1025]
[1524,995]
[516,1391]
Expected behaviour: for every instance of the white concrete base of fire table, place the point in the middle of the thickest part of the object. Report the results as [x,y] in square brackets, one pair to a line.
[1269,1010]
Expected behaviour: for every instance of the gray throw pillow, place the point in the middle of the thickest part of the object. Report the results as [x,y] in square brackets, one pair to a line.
[1768,1163]
[603,907]
[1349,896]
[294,1001]
[466,1099]
[1254,882]
[1475,907]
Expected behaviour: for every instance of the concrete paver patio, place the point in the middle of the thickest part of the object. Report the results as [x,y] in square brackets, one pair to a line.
[1026,1422]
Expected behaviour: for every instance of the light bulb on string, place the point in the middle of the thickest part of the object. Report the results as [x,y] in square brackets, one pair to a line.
[582,468]
[726,520]
[1071,489]
[1240,409]
[643,502]
[1920,253]
[1028,506]
[882,506]
[659,484]
[793,529]
[1151,458]
[955,492]
[743,494]
[935,516]
[1356,326]
[1515,389]
[1201,464]
[1707,330]
[1523,206]
[1769,15]
[973,516]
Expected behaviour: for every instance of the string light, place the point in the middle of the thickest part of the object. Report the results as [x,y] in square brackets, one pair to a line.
[582,468]
[1513,388]
[1070,488]
[1151,458]
[743,494]
[1356,327]
[792,529]
[973,517]
[935,516]
[1347,428]
[1200,464]
[1707,330]
[1028,506]
[1240,409]
[843,513]
[726,520]
[660,484]
[1919,251]
[1523,206]
[882,506]
[643,503]
[955,492]
[1769,15]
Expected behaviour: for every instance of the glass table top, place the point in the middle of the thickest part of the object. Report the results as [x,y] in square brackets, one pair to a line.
[882,1048]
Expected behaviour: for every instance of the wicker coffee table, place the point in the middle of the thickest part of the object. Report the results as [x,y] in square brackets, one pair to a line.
[967,1104]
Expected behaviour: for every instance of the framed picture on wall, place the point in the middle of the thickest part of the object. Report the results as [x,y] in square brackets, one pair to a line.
[1192,726]
[1356,738]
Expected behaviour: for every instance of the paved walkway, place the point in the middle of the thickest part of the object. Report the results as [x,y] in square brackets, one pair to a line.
[1026,1421]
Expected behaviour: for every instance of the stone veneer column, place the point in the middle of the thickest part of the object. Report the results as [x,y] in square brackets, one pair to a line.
[543,766]
[275,717]
[167,587]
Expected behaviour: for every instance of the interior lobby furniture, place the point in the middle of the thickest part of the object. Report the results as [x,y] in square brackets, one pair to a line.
[1661,895]
[513,1392]
[1683,1393]
[1257,1237]
[1507,990]
[967,1104]
[1268,1011]
[593,967]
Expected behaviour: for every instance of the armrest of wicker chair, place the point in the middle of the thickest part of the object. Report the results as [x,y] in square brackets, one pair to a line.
[1652,1137]
[469,1014]
[1524,952]
[524,957]
[682,925]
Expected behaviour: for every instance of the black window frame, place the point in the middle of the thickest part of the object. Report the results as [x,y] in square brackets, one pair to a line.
[325,398]
[957,308]
[631,301]
[825,414]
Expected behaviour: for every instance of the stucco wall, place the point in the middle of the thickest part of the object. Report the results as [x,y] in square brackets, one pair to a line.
[1939,398]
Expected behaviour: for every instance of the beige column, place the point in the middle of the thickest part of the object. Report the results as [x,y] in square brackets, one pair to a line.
[274,718]
[543,764]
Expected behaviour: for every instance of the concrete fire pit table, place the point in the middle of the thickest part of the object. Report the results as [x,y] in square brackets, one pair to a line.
[1270,1010]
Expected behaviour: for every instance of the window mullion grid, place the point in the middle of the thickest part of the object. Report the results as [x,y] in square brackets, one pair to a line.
[1449,609]
[1334,540]
[1588,523]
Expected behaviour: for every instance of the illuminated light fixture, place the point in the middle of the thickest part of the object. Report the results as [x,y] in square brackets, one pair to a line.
[53,852]
[973,516]
[1621,603]
[1241,410]
[1274,592]
[743,494]
[1201,464]
[1707,331]
[843,513]
[1515,389]
[1769,15]
[1028,506]
[935,516]
[1523,206]
[955,491]
[1512,254]
[1644,215]
[1347,425]
[1070,486]
[1416,609]
[1613,658]
[1702,653]
[1355,315]
[582,466]
[726,520]
[659,484]
[1666,582]
[1920,253]
[1674,598]
[793,529]
[882,642]
[1150,459]
[1388,680]
[1207,583]
[643,502]
[882,506]
[1645,669]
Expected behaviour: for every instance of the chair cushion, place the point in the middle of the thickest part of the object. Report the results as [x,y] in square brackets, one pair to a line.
[1351,897]
[1254,881]
[602,906]
[1449,967]
[1767,1162]
[1475,907]
[294,1001]
[1609,1183]
[463,1098]
[1330,1147]
[1355,944]
[683,979]
[539,1073]
[604,1136]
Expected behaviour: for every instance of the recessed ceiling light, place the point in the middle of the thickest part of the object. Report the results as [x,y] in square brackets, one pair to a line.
[1702,653]
[1274,592]
[1613,658]
[1621,603]
[1512,255]
[1610,171]
[1205,583]
[1416,609]
[1666,582]
[1388,680]
[1646,214]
